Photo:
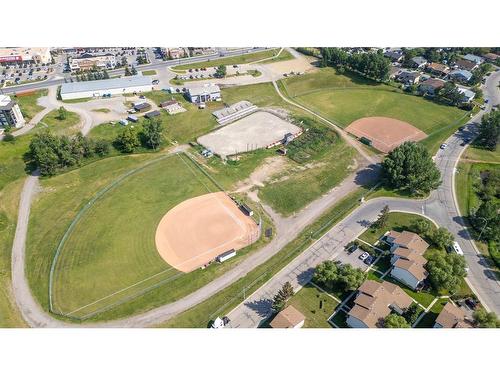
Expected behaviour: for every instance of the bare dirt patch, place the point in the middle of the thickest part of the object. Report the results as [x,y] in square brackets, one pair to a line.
[385,133]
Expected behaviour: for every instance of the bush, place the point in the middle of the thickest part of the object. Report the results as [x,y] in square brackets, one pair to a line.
[9,138]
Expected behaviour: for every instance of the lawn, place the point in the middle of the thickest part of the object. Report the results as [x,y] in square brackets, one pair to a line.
[429,318]
[109,271]
[398,221]
[149,72]
[52,122]
[316,305]
[232,60]
[28,103]
[9,201]
[423,297]
[476,153]
[227,299]
[284,55]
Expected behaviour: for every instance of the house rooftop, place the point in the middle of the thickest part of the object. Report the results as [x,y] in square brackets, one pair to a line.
[203,90]
[414,267]
[419,60]
[434,82]
[466,64]
[452,317]
[438,67]
[461,72]
[287,318]
[474,58]
[408,239]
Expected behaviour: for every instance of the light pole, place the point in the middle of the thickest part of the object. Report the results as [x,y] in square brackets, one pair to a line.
[484,226]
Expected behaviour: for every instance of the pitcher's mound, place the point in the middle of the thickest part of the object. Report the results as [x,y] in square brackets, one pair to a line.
[385,133]
[199,229]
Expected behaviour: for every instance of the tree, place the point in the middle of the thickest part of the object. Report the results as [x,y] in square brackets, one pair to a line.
[127,140]
[449,94]
[101,147]
[9,137]
[105,74]
[484,319]
[441,237]
[342,277]
[446,271]
[395,321]
[489,130]
[422,227]
[62,113]
[42,150]
[133,71]
[411,314]
[283,295]
[382,218]
[152,132]
[127,71]
[221,71]
[486,220]
[410,166]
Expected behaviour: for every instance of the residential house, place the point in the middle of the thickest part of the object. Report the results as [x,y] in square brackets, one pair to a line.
[430,86]
[205,93]
[460,75]
[492,57]
[452,317]
[409,77]
[374,301]
[394,55]
[438,69]
[466,65]
[467,95]
[290,317]
[418,62]
[478,60]
[394,71]
[407,258]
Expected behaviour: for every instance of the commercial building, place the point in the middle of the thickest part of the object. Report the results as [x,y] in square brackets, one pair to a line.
[205,93]
[38,55]
[288,318]
[88,61]
[374,301]
[10,113]
[115,86]
[452,317]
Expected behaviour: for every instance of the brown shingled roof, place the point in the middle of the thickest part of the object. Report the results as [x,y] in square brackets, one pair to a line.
[287,318]
[415,268]
[452,317]
[410,240]
[466,64]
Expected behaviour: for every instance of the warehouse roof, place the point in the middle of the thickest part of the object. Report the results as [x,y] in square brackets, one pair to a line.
[105,84]
[204,90]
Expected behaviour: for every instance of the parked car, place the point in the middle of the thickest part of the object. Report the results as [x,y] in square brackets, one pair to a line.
[352,248]
[364,256]
[455,247]
[369,260]
[443,146]
[471,303]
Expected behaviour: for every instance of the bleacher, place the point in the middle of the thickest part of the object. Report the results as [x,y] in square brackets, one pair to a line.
[234,112]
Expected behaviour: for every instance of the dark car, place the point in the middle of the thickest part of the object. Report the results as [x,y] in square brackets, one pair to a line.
[352,248]
[471,303]
[461,128]
[369,260]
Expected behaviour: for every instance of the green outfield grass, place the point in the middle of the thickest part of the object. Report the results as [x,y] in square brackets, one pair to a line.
[9,202]
[28,103]
[232,60]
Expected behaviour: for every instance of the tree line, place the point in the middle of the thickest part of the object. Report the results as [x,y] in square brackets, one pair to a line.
[372,64]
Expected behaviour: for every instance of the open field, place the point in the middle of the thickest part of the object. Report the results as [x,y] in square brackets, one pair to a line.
[28,103]
[308,301]
[9,201]
[84,281]
[233,60]
[227,299]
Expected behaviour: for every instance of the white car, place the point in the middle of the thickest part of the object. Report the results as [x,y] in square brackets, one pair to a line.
[443,146]
[364,256]
[456,248]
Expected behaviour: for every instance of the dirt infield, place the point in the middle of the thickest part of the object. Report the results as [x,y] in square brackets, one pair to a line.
[252,132]
[385,133]
[195,231]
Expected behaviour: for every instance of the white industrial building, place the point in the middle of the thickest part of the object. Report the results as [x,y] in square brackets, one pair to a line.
[204,93]
[99,88]
[10,113]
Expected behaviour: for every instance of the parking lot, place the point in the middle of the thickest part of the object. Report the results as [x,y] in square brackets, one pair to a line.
[23,73]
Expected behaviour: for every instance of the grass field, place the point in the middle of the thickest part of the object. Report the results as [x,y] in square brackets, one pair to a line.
[316,305]
[238,59]
[149,72]
[398,221]
[99,260]
[9,201]
[346,98]
[224,301]
[28,103]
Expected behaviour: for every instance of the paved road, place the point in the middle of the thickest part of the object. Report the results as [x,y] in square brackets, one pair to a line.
[154,65]
[440,207]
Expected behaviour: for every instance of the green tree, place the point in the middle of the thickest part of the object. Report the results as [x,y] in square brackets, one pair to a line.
[342,277]
[410,166]
[486,220]
[283,295]
[221,71]
[449,94]
[382,218]
[484,319]
[105,74]
[43,148]
[422,227]
[133,71]
[395,321]
[152,132]
[127,71]
[127,140]
[489,130]
[441,237]
[101,147]
[446,271]
[62,113]
[411,314]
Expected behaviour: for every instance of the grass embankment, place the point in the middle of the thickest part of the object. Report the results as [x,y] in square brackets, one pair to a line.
[9,203]
[224,301]
[232,60]
[344,98]
[28,103]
